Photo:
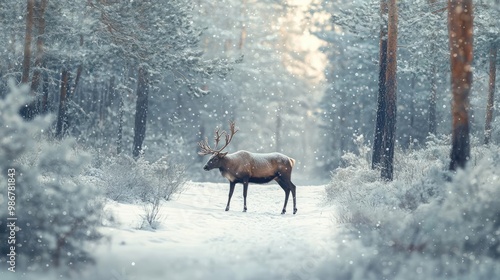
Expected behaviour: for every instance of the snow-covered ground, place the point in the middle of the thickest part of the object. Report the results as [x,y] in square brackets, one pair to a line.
[197,239]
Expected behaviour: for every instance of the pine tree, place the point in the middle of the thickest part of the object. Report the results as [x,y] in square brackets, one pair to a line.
[380,122]
[460,28]
[58,212]
[157,37]
[389,136]
[491,93]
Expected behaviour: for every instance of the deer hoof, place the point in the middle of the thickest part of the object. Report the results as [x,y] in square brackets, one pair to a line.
[294,211]
[244,210]
[227,208]
[283,212]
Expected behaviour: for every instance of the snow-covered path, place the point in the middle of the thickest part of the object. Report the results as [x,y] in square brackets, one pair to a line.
[197,239]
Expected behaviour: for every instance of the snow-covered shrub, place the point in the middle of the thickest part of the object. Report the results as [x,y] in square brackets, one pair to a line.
[151,216]
[126,179]
[428,223]
[120,178]
[169,176]
[356,172]
[464,222]
[357,188]
[495,130]
[57,210]
[413,165]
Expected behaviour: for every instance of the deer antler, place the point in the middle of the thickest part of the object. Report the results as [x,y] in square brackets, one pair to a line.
[205,147]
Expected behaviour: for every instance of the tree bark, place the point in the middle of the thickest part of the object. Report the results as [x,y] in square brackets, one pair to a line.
[491,93]
[201,136]
[278,130]
[45,93]
[12,48]
[93,102]
[433,96]
[79,70]
[243,33]
[61,117]
[105,100]
[27,41]
[410,140]
[412,101]
[460,31]
[119,144]
[432,101]
[380,121]
[35,81]
[343,114]
[389,138]
[141,111]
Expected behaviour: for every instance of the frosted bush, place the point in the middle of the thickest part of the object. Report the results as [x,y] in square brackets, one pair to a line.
[151,210]
[170,177]
[428,223]
[126,179]
[346,181]
[166,179]
[57,210]
[120,178]
[466,218]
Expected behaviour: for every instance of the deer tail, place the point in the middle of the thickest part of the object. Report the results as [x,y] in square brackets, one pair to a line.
[292,161]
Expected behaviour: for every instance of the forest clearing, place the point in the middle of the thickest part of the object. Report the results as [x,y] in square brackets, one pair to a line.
[197,239]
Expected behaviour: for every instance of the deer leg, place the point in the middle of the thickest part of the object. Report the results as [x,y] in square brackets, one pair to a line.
[292,188]
[231,190]
[245,190]
[285,188]
[287,193]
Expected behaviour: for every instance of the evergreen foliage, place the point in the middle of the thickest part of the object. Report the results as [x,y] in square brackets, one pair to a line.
[57,210]
[427,223]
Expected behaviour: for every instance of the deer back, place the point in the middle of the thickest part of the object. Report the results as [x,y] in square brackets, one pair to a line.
[256,165]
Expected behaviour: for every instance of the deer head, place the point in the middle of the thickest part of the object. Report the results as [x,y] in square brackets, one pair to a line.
[217,154]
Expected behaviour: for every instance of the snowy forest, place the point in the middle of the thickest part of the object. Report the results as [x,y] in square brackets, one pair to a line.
[386,110]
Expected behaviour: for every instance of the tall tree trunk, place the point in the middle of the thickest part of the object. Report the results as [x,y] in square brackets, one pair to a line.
[343,114]
[79,70]
[180,105]
[105,100]
[141,111]
[27,41]
[432,101]
[100,106]
[278,130]
[119,144]
[201,136]
[61,117]
[77,80]
[93,102]
[491,93]
[40,10]
[389,138]
[45,93]
[460,30]
[243,33]
[380,122]
[12,49]
[412,101]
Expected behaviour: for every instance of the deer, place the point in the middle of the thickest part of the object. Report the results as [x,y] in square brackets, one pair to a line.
[245,167]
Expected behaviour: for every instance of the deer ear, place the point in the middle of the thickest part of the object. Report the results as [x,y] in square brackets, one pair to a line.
[221,155]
